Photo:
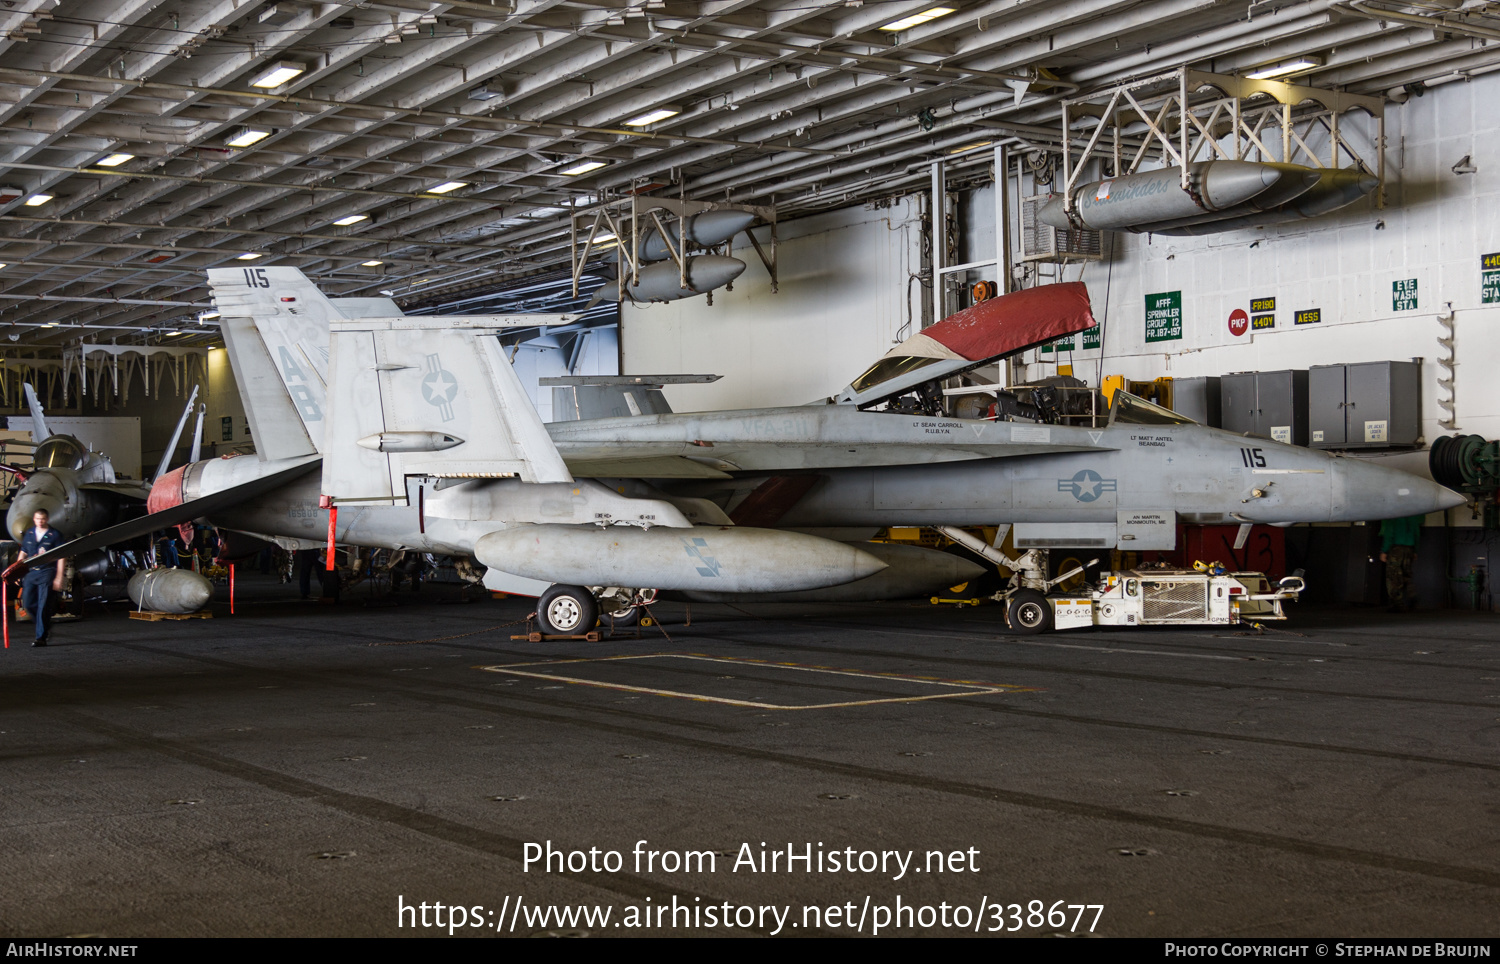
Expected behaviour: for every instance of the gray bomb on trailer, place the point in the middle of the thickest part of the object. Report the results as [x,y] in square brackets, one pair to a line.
[176,591]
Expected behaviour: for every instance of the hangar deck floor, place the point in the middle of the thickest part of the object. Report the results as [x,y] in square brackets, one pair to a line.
[300,769]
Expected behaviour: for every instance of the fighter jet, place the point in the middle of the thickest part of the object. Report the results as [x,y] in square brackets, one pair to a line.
[420,436]
[76,486]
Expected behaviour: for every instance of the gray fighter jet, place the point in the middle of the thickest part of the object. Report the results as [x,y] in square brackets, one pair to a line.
[417,434]
[75,485]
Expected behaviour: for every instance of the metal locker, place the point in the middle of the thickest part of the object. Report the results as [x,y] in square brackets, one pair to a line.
[1326,398]
[1383,403]
[1281,406]
[1199,399]
[1237,402]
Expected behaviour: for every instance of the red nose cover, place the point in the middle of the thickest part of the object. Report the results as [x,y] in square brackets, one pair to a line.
[1015,322]
[166,491]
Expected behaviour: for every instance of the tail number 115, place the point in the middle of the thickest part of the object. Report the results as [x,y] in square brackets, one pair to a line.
[256,278]
[1253,458]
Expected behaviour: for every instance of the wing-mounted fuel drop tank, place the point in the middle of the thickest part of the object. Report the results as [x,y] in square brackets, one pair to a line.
[1220,196]
[705,558]
[662,281]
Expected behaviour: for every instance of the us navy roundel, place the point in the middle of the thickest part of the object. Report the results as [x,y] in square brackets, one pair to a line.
[1087,485]
[439,387]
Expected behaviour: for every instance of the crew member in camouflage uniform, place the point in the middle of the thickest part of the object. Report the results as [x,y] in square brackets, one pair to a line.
[1398,550]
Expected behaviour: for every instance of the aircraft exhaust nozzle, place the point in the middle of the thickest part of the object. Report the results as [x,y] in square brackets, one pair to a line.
[703,230]
[169,590]
[707,558]
[409,442]
[662,281]
[1122,203]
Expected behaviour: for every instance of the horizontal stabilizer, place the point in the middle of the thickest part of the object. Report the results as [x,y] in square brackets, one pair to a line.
[176,515]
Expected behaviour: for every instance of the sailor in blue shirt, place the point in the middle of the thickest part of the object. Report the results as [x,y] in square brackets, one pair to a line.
[36,583]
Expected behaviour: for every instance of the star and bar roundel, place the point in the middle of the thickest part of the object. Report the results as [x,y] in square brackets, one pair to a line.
[439,387]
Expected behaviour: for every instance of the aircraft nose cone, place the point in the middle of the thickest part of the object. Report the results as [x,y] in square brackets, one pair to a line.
[41,491]
[18,519]
[1448,499]
[1373,492]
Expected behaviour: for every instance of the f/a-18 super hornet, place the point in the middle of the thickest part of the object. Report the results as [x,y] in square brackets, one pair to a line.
[415,433]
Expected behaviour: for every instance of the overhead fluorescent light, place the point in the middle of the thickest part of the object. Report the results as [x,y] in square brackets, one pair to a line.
[171,333]
[447,186]
[246,136]
[351,219]
[278,75]
[207,316]
[606,236]
[2,265]
[50,324]
[37,200]
[115,160]
[582,167]
[371,264]
[247,256]
[971,147]
[906,23]
[654,116]
[1286,67]
[483,93]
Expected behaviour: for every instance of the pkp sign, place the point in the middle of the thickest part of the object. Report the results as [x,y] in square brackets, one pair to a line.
[1239,322]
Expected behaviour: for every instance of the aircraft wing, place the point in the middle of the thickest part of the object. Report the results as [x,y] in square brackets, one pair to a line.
[177,514]
[810,437]
[131,490]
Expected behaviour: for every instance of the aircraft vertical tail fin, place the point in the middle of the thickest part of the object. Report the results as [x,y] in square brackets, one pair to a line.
[275,323]
[39,430]
[431,396]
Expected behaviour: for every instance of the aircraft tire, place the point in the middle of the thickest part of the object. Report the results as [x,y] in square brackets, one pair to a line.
[624,618]
[567,611]
[1029,613]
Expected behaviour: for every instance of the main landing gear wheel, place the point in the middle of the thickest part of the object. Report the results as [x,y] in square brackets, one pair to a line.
[624,617]
[1029,613]
[567,611]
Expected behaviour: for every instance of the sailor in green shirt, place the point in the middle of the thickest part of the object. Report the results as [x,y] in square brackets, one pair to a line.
[1398,550]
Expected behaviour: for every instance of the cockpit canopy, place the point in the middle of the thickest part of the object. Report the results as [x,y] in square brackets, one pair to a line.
[1134,410]
[61,452]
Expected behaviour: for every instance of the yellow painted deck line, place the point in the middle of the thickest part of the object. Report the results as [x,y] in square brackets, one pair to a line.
[970,688]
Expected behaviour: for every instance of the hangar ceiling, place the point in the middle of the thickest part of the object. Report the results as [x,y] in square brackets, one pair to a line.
[451,139]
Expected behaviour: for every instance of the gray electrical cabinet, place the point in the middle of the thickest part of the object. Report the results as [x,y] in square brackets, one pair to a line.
[1198,399]
[1271,405]
[1368,405]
